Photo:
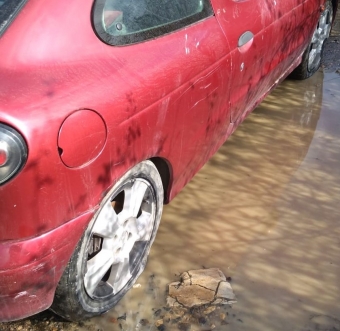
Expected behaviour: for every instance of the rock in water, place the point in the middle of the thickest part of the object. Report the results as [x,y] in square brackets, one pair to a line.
[201,287]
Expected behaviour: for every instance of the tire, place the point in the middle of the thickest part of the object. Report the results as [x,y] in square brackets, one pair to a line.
[311,58]
[114,248]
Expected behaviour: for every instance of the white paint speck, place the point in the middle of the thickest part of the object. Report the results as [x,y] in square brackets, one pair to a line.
[20,294]
[187,49]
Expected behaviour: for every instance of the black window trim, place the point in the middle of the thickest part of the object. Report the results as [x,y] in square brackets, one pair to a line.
[133,38]
[9,10]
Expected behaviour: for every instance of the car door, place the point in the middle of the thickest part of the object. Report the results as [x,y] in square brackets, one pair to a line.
[266,39]
[248,30]
[295,21]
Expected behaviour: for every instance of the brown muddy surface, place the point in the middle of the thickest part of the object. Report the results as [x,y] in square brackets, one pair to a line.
[265,210]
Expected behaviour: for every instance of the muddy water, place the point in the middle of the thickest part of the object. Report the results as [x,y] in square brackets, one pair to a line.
[265,210]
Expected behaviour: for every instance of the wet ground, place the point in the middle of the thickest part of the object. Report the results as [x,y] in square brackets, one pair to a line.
[265,210]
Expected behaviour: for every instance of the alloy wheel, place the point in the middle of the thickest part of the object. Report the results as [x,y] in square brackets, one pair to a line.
[321,33]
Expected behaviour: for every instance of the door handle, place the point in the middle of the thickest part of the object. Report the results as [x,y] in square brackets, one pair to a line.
[245,41]
[245,38]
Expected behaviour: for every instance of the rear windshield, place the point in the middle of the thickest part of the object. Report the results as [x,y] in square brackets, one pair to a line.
[8,11]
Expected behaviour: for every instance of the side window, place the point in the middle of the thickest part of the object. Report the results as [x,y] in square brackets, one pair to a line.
[122,22]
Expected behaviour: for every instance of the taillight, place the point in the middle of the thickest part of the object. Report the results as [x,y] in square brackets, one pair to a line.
[13,153]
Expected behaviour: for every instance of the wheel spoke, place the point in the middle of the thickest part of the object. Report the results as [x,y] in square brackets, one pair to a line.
[133,198]
[97,267]
[323,21]
[120,275]
[106,222]
[137,251]
[145,226]
[313,57]
[129,236]
[315,37]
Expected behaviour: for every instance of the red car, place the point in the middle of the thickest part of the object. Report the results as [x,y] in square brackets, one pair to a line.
[108,108]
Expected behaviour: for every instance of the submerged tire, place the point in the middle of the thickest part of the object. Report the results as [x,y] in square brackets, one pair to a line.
[311,58]
[114,248]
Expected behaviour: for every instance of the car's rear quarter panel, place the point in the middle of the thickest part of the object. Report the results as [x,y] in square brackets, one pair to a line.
[145,93]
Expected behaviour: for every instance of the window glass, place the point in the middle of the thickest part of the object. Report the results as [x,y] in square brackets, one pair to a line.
[8,10]
[120,22]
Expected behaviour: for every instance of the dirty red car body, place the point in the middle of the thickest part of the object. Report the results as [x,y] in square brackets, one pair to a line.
[89,111]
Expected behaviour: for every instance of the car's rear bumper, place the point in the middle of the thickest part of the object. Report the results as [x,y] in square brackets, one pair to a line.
[30,269]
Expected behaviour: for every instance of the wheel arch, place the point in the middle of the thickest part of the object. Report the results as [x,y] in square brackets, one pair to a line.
[335,4]
[165,170]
